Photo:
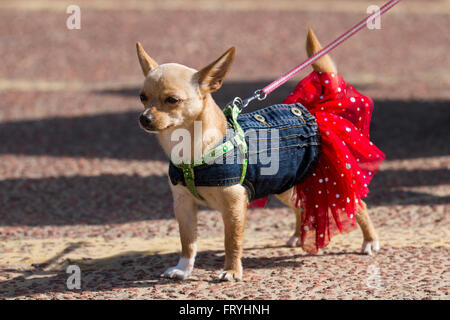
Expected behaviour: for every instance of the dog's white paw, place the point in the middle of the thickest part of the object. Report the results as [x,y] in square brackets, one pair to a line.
[176,273]
[230,275]
[225,276]
[293,241]
[370,247]
[182,270]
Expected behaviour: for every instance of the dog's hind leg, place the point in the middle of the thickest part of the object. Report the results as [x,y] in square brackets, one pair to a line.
[294,240]
[324,64]
[287,199]
[371,242]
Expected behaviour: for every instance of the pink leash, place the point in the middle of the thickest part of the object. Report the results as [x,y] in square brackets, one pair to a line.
[261,94]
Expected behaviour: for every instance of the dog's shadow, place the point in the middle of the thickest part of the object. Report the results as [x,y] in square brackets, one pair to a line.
[132,269]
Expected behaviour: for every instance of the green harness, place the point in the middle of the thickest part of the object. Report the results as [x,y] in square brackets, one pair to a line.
[232,112]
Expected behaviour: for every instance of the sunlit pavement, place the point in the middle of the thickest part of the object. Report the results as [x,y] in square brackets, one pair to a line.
[81,184]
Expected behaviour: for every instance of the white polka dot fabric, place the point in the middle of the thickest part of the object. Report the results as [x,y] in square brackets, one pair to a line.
[330,195]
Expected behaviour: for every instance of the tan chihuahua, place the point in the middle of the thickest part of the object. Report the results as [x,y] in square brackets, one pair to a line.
[174,96]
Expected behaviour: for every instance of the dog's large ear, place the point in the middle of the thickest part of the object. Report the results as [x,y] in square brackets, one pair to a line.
[210,78]
[146,62]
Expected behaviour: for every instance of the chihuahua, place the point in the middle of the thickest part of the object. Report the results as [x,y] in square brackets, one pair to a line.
[175,96]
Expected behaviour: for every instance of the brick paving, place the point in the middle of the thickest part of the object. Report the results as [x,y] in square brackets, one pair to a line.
[81,184]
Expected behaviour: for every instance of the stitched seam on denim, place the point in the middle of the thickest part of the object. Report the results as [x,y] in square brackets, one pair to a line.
[312,143]
[310,121]
[292,126]
[269,111]
[299,126]
[281,120]
[222,179]
[276,107]
[287,138]
[286,119]
[270,122]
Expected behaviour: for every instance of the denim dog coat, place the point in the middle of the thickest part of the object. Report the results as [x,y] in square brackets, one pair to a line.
[283,143]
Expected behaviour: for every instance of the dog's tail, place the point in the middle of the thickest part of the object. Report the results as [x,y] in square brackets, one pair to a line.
[324,64]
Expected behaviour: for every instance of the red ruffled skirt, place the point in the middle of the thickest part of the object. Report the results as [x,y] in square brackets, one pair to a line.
[331,195]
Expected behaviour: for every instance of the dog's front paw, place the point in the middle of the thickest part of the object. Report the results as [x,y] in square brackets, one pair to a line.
[369,247]
[176,273]
[229,275]
[293,241]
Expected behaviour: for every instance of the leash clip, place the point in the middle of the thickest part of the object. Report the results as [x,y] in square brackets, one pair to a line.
[241,104]
[237,102]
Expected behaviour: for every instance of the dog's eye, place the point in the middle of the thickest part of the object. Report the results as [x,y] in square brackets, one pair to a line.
[171,100]
[143,97]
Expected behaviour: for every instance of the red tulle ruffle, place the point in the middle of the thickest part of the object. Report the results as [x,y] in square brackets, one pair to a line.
[331,195]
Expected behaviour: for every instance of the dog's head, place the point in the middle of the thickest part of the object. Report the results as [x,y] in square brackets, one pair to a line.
[174,95]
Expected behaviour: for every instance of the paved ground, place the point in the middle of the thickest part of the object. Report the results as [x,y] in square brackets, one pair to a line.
[81,184]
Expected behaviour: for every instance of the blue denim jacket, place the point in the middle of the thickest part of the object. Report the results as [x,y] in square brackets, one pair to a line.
[283,142]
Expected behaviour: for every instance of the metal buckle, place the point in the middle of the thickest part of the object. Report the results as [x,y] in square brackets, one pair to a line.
[261,95]
[237,101]
[241,104]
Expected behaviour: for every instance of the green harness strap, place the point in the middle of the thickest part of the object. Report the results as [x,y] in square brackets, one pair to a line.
[232,112]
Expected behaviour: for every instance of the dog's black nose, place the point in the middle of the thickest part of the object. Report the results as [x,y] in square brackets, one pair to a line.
[146,120]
